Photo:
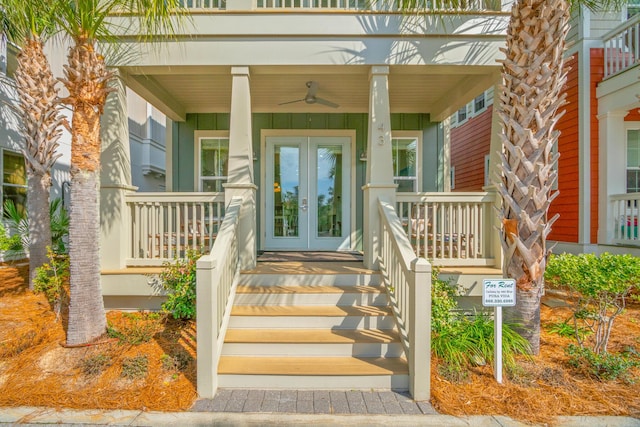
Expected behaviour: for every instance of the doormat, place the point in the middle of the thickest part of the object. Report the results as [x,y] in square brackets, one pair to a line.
[309,256]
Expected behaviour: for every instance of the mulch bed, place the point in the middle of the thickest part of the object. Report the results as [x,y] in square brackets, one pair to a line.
[35,370]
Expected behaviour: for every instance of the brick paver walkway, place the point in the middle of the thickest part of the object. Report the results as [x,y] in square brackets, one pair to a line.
[313,402]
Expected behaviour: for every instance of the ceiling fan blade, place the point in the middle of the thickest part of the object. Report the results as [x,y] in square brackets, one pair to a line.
[292,102]
[313,88]
[327,103]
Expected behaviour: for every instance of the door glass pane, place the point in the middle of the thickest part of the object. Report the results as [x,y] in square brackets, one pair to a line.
[286,184]
[329,190]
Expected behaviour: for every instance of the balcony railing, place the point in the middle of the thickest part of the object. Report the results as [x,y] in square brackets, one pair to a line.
[622,47]
[449,228]
[626,211]
[355,5]
[163,226]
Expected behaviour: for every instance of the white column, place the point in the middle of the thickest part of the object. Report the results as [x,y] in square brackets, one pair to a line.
[379,177]
[495,148]
[240,182]
[611,169]
[115,180]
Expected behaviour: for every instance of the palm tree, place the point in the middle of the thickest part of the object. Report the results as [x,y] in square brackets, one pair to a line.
[532,92]
[533,76]
[87,77]
[28,24]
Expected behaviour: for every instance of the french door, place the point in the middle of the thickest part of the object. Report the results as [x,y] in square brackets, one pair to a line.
[308,192]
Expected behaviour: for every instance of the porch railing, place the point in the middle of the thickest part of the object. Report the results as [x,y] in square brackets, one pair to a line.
[216,280]
[622,47]
[626,212]
[407,279]
[163,226]
[449,228]
[448,6]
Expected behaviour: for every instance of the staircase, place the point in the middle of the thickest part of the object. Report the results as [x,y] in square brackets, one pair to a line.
[312,325]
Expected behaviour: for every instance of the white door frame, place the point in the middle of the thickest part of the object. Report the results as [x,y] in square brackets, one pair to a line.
[305,133]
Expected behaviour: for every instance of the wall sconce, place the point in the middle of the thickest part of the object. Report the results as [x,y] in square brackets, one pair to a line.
[363,156]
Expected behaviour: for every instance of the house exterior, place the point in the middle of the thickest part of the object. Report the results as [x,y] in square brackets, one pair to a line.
[597,176]
[303,126]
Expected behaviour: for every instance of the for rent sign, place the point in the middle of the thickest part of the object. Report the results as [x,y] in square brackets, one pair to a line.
[498,292]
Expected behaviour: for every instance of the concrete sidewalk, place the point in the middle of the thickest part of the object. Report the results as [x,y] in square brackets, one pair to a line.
[49,416]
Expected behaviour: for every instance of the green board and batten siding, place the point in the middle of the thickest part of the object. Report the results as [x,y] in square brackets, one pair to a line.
[432,150]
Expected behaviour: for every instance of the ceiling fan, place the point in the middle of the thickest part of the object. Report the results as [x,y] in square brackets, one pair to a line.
[311,97]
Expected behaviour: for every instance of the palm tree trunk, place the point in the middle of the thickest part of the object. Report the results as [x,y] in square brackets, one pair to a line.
[532,91]
[39,186]
[38,106]
[86,80]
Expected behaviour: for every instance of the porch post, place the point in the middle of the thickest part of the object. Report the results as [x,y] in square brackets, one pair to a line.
[240,182]
[115,180]
[495,147]
[612,170]
[379,179]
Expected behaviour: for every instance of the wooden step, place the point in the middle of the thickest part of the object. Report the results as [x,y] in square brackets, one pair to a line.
[307,336]
[312,366]
[309,289]
[304,311]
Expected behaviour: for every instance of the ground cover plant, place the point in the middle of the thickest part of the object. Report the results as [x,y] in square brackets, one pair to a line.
[36,370]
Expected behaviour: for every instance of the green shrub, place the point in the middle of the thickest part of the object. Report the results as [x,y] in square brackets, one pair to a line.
[138,328]
[603,366]
[176,361]
[135,367]
[598,288]
[19,226]
[443,302]
[470,341]
[51,279]
[7,242]
[95,364]
[179,280]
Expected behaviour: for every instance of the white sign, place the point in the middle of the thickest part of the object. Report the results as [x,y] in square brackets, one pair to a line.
[498,292]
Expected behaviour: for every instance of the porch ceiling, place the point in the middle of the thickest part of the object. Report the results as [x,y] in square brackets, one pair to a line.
[437,90]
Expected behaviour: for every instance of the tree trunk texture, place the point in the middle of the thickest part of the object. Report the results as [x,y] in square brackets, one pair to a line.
[40,126]
[532,91]
[86,79]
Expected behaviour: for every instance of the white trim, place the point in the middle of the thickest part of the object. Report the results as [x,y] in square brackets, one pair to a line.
[264,133]
[197,136]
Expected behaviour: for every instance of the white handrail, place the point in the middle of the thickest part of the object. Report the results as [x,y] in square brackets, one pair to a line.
[444,6]
[449,228]
[626,214]
[622,47]
[163,226]
[407,279]
[216,281]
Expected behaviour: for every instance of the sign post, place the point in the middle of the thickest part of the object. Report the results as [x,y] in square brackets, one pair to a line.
[498,293]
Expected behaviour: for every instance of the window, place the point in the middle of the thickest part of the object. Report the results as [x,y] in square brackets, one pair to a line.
[633,8]
[462,114]
[478,103]
[633,161]
[405,163]
[452,177]
[214,163]
[487,171]
[14,179]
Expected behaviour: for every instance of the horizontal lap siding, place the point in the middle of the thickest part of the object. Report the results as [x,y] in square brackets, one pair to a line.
[567,204]
[470,142]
